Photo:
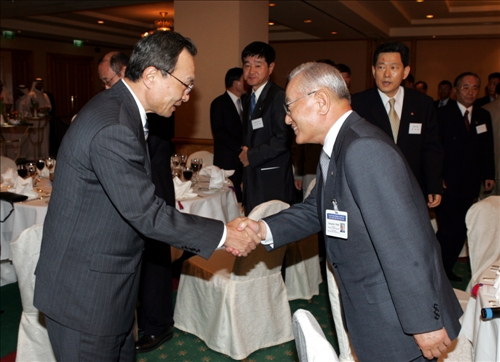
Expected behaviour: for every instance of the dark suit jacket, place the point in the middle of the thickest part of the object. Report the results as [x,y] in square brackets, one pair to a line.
[227,132]
[482,101]
[391,280]
[269,175]
[422,151]
[450,101]
[102,201]
[468,156]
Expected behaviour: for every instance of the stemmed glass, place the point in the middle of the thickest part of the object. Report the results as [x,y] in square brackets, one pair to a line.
[22,171]
[175,162]
[31,168]
[195,165]
[50,163]
[187,172]
[183,160]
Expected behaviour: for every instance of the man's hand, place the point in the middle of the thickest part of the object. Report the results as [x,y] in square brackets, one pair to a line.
[434,200]
[433,344]
[488,185]
[258,227]
[240,241]
[298,184]
[243,156]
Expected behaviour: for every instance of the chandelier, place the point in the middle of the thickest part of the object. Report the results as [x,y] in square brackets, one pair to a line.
[162,24]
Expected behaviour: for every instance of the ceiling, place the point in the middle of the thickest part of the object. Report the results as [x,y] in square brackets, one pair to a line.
[124,21]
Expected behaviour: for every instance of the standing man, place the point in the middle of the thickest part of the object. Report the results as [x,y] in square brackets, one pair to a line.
[466,134]
[444,92]
[494,109]
[493,80]
[225,118]
[267,141]
[38,96]
[103,202]
[111,68]
[406,115]
[398,304]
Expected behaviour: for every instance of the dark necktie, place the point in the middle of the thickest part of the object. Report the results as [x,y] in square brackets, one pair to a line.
[146,130]
[466,120]
[441,103]
[238,107]
[324,161]
[252,105]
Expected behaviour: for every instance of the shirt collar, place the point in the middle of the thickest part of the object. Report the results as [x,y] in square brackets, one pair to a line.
[259,91]
[233,96]
[399,96]
[142,111]
[332,134]
[463,108]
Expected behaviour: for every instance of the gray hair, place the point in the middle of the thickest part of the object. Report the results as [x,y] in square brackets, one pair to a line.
[320,75]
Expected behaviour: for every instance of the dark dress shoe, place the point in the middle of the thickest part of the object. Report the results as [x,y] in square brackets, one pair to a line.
[149,343]
[453,277]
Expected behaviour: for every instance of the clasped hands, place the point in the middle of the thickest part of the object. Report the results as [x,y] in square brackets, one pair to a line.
[243,236]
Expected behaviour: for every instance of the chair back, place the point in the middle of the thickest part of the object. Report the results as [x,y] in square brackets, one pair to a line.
[310,340]
[483,235]
[6,163]
[208,157]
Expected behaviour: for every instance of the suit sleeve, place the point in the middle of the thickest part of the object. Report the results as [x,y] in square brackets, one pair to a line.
[220,131]
[118,161]
[396,220]
[280,141]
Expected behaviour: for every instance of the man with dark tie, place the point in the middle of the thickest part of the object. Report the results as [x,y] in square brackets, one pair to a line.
[225,118]
[406,115]
[396,300]
[444,92]
[493,80]
[103,204]
[266,152]
[466,134]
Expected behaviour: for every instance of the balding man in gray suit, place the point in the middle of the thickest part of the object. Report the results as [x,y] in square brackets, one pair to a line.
[103,200]
[397,302]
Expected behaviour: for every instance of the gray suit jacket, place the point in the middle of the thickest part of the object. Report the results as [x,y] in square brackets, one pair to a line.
[102,201]
[391,280]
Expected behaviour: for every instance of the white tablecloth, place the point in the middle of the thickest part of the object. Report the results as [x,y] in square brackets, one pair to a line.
[484,334]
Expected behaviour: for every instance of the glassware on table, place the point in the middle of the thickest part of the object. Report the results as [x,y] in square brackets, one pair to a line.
[195,165]
[31,168]
[187,173]
[22,171]
[183,160]
[50,163]
[40,164]
[174,163]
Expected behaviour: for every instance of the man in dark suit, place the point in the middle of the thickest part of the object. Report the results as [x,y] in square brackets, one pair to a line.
[386,259]
[466,134]
[103,202]
[411,120]
[267,141]
[444,92]
[493,80]
[225,118]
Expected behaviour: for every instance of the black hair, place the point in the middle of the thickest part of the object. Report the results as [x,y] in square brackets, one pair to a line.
[260,50]
[465,74]
[232,75]
[342,68]
[393,47]
[421,82]
[445,82]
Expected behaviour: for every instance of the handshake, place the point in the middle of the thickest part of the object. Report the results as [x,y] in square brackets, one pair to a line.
[243,235]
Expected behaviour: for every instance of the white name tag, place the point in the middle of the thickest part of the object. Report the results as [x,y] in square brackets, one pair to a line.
[336,224]
[415,128]
[481,128]
[257,123]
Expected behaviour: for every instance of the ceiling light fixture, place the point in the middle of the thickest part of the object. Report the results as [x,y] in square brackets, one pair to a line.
[420,1]
[271,23]
[100,21]
[162,24]
[308,21]
[334,32]
[272,4]
[430,16]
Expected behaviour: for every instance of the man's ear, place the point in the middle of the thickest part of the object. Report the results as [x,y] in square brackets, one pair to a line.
[323,101]
[149,75]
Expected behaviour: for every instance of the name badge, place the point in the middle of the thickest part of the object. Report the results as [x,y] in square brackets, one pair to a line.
[257,123]
[336,223]
[415,128]
[481,128]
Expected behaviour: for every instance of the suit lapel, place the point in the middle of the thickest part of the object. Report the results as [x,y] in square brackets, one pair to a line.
[379,113]
[257,112]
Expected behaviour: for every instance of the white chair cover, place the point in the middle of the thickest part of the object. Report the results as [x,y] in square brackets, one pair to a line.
[6,163]
[483,235]
[346,353]
[236,305]
[208,157]
[33,341]
[312,345]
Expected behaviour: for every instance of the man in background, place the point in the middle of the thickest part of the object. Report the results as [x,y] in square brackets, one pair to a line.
[345,71]
[111,68]
[421,86]
[267,141]
[444,93]
[493,80]
[406,115]
[38,96]
[226,121]
[494,109]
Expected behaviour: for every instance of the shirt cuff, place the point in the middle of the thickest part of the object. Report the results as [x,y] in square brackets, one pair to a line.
[223,239]
[268,241]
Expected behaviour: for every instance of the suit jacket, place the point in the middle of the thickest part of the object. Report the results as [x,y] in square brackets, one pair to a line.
[391,279]
[450,101]
[494,109]
[102,202]
[482,101]
[269,175]
[422,151]
[468,156]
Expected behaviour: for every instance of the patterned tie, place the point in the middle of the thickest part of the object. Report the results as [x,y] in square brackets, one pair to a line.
[394,119]
[146,130]
[324,161]
[238,107]
[466,120]
[252,105]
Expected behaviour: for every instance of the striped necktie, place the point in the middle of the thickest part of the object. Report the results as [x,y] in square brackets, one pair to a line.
[324,161]
[252,105]
[146,130]
[466,120]
[238,107]
[394,119]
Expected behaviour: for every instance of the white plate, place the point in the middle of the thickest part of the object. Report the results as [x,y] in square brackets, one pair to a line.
[207,190]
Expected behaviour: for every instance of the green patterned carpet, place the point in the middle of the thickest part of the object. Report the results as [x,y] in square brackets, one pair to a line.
[185,347]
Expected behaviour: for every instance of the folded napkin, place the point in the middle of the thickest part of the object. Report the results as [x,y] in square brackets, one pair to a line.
[44,173]
[183,190]
[217,176]
[18,184]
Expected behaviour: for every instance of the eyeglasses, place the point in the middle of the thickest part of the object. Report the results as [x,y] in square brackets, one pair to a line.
[287,105]
[467,88]
[108,82]
[189,87]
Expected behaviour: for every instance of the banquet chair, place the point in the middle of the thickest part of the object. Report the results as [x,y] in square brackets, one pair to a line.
[311,343]
[236,305]
[33,341]
[303,274]
[483,235]
[208,157]
[6,163]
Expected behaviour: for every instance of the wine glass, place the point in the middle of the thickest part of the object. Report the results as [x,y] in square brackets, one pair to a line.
[31,168]
[183,160]
[187,172]
[195,165]
[50,163]
[174,162]
[21,170]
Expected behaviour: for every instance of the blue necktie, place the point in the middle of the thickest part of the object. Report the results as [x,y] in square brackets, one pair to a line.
[252,105]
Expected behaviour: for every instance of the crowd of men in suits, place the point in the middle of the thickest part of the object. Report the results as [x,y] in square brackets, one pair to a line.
[381,167]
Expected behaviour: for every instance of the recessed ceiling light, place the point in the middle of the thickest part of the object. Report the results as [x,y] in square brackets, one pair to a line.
[334,32]
[433,37]
[100,21]
[272,4]
[430,16]
[308,21]
[419,1]
[271,23]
